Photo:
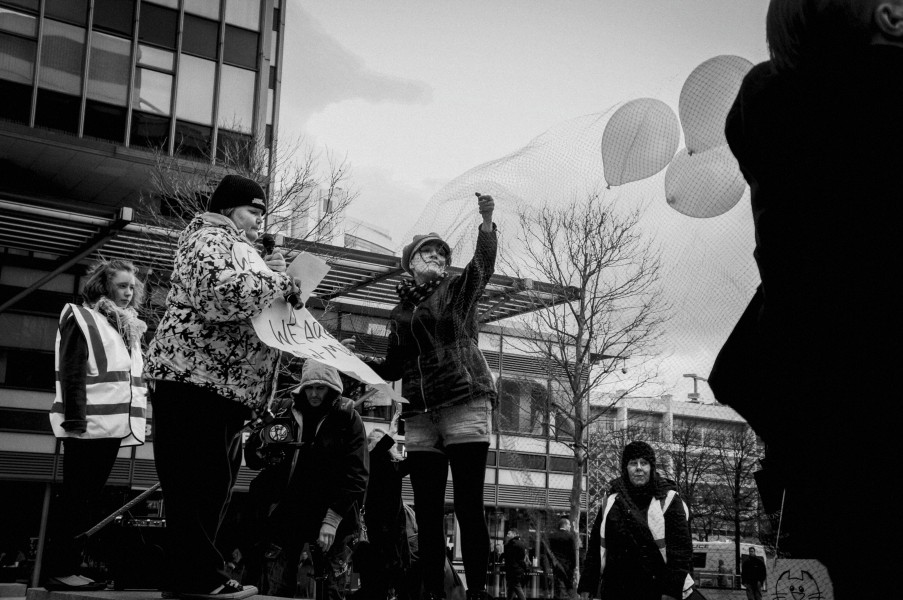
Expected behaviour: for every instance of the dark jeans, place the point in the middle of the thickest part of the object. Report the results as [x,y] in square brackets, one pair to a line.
[429,472]
[86,467]
[197,450]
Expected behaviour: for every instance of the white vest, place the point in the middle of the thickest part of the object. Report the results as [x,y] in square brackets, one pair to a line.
[116,394]
[655,518]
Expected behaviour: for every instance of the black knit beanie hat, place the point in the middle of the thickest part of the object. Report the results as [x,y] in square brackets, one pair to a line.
[235,190]
[635,450]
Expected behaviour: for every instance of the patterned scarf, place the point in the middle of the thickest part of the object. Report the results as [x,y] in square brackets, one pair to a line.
[415,293]
[125,320]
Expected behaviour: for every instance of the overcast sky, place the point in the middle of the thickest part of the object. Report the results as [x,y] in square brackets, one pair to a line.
[417,92]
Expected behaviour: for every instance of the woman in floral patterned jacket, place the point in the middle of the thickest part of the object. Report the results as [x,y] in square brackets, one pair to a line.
[209,370]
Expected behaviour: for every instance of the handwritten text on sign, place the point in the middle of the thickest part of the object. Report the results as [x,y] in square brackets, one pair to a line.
[299,333]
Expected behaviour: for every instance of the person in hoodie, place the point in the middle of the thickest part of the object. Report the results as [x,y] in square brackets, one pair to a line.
[640,546]
[321,477]
[817,133]
[432,347]
[209,371]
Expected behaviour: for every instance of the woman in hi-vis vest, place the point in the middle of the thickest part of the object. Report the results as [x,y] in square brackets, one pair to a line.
[100,402]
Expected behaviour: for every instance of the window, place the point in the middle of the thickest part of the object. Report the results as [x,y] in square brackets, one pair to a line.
[200,37]
[150,131]
[522,406]
[195,91]
[521,461]
[204,8]
[17,58]
[193,140]
[31,5]
[240,47]
[235,149]
[157,25]
[71,11]
[117,16]
[149,56]
[57,111]
[61,57]
[561,464]
[108,70]
[105,121]
[16,22]
[30,369]
[152,92]
[243,13]
[236,99]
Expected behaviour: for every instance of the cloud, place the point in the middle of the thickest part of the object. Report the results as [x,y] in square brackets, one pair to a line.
[319,71]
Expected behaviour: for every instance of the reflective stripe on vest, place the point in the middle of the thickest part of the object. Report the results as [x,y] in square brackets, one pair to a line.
[115,391]
[655,519]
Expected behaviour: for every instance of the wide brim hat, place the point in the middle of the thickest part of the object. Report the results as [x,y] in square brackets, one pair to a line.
[417,243]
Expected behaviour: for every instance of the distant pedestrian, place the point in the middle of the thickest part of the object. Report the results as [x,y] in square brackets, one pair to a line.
[516,565]
[752,574]
[561,553]
[722,575]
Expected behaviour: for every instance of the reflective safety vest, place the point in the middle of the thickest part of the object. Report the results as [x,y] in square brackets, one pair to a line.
[655,519]
[116,394]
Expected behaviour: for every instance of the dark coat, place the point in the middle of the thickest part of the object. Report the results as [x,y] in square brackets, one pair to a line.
[330,472]
[515,556]
[433,346]
[820,148]
[634,567]
[752,571]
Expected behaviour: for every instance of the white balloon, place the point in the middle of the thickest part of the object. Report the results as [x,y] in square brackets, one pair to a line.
[706,98]
[705,184]
[639,140]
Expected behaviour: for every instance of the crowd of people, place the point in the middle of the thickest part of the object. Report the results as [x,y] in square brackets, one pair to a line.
[816,134]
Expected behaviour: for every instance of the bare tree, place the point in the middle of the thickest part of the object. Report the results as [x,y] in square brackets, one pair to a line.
[689,463]
[737,451]
[599,256]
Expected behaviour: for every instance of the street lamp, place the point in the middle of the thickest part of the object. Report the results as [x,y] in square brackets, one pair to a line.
[694,397]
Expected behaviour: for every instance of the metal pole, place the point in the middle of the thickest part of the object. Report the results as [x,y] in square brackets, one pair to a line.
[42,535]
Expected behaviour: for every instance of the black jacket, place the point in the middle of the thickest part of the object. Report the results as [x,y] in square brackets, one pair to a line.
[634,567]
[330,473]
[515,559]
[433,346]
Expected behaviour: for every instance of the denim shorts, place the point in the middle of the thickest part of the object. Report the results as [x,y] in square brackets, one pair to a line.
[456,424]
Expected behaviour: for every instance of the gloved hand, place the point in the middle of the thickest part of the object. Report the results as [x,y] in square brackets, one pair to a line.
[327,537]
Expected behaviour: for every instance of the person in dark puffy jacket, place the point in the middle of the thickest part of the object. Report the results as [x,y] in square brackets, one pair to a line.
[640,546]
[516,565]
[316,472]
[433,348]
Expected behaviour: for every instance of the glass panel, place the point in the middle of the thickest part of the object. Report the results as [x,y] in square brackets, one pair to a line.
[114,15]
[16,105]
[17,22]
[26,4]
[169,3]
[270,100]
[196,84]
[193,140]
[153,91]
[238,150]
[200,37]
[274,46]
[149,130]
[73,11]
[104,121]
[108,70]
[57,111]
[240,47]
[243,13]
[61,57]
[236,99]
[157,25]
[155,57]
[17,59]
[204,8]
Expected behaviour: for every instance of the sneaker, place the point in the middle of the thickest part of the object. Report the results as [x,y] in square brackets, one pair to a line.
[74,582]
[228,591]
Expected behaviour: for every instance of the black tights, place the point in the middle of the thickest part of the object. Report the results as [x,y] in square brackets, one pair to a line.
[428,476]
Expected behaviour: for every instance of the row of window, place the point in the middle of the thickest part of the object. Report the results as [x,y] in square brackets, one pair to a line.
[78,79]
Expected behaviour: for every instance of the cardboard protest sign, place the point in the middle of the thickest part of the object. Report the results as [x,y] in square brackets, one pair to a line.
[297,331]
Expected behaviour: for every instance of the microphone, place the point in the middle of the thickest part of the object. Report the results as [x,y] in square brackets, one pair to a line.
[269,242]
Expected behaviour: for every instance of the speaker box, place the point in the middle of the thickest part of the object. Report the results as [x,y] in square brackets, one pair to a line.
[138,558]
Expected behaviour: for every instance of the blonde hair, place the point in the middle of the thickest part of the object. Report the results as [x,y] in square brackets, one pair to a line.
[99,280]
